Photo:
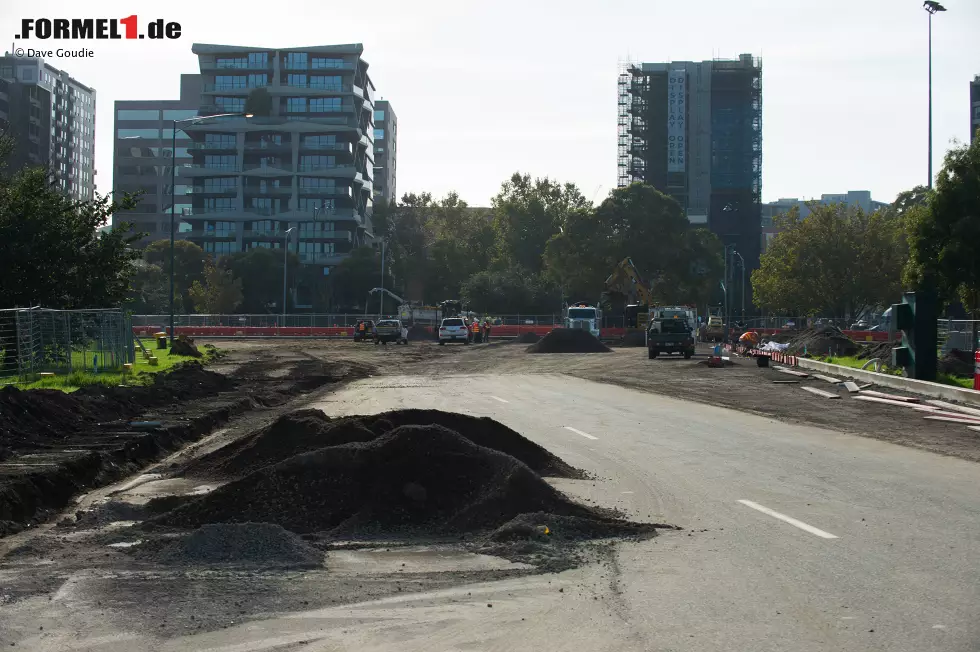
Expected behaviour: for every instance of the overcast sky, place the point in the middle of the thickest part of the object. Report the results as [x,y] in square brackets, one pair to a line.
[483,89]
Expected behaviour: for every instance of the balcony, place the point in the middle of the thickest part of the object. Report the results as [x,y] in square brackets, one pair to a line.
[265,234]
[325,191]
[326,88]
[321,259]
[210,233]
[199,170]
[213,191]
[280,191]
[263,211]
[325,147]
[277,168]
[232,88]
[214,210]
[212,147]
[267,147]
[212,64]
[344,236]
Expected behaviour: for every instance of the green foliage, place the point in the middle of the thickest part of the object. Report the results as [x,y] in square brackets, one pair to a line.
[838,261]
[260,272]
[259,102]
[148,289]
[354,277]
[189,260]
[55,255]
[943,231]
[510,291]
[220,294]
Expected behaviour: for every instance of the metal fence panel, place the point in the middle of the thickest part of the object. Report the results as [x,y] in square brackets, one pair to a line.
[37,340]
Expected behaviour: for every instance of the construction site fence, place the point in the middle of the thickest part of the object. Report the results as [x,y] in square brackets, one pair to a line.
[311,320]
[40,340]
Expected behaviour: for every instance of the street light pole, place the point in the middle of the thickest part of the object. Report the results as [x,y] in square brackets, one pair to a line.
[931,8]
[285,255]
[742,264]
[173,198]
[381,306]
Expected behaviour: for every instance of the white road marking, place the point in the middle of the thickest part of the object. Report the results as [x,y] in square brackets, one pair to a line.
[497,398]
[579,432]
[627,492]
[789,519]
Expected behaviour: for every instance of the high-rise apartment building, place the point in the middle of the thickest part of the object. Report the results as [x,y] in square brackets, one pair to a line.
[299,172]
[144,153]
[693,130]
[385,151]
[51,117]
[974,107]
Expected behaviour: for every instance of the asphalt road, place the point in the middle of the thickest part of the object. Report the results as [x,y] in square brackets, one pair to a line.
[796,538]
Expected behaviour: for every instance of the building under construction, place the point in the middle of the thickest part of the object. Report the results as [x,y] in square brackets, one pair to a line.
[694,131]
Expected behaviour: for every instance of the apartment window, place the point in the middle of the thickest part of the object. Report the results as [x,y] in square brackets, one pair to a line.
[231,62]
[179,114]
[315,247]
[230,104]
[324,62]
[296,61]
[220,140]
[265,226]
[220,183]
[219,247]
[312,229]
[220,228]
[323,205]
[296,105]
[296,80]
[379,149]
[218,204]
[268,186]
[258,59]
[222,82]
[319,140]
[379,134]
[258,80]
[330,83]
[138,133]
[317,183]
[27,74]
[316,162]
[379,116]
[324,104]
[137,114]
[219,162]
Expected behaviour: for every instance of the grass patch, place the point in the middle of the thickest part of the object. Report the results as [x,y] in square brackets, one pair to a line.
[142,373]
[851,361]
[950,379]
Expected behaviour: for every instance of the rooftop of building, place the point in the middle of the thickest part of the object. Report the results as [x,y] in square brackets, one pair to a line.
[210,48]
[50,68]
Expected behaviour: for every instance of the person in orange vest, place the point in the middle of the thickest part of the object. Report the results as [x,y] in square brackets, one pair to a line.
[476,331]
[486,329]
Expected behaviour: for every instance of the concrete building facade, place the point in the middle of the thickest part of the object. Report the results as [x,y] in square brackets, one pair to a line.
[974,107]
[693,130]
[143,157]
[299,173]
[385,151]
[51,117]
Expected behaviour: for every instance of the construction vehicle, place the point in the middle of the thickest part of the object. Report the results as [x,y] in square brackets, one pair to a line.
[625,280]
[583,316]
[670,335]
[714,330]
[685,314]
[451,308]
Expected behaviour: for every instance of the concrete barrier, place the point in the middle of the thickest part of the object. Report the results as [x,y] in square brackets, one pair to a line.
[924,387]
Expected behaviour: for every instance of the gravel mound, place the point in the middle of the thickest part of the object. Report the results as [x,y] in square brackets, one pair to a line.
[242,543]
[824,340]
[423,479]
[304,431]
[569,340]
[529,337]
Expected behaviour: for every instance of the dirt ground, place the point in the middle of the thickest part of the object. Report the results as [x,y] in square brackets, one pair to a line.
[744,386]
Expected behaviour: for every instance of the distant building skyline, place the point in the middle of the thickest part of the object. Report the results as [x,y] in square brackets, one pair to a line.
[856,198]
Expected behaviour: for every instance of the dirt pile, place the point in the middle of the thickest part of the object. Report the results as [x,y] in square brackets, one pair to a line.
[423,479]
[308,430]
[263,544]
[185,346]
[420,334]
[569,340]
[633,338]
[957,363]
[822,340]
[881,350]
[528,337]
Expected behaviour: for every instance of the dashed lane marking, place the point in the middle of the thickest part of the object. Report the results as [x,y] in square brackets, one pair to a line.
[579,432]
[789,519]
[497,398]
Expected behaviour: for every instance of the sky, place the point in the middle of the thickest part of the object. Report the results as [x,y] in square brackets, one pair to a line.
[484,89]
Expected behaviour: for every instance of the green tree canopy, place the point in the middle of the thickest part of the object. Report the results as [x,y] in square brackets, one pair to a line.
[259,102]
[148,290]
[837,261]
[219,294]
[260,272]
[189,261]
[354,277]
[54,253]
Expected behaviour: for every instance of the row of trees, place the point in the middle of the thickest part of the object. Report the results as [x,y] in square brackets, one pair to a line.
[843,262]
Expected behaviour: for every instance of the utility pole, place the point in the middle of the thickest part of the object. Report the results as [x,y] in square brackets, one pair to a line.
[931,8]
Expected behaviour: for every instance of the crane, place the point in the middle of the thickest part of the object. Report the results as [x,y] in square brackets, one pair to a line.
[389,293]
[626,271]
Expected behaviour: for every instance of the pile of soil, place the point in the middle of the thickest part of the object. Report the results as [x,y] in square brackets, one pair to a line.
[413,479]
[569,340]
[957,363]
[633,338]
[308,430]
[185,346]
[529,337]
[881,350]
[242,543]
[418,333]
[822,340]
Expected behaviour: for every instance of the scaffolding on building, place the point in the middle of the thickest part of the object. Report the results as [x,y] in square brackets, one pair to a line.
[736,125]
[633,144]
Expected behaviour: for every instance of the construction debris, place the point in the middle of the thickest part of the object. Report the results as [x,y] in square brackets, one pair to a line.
[791,372]
[891,397]
[829,379]
[820,392]
[851,386]
[952,419]
[954,407]
[888,401]
[785,382]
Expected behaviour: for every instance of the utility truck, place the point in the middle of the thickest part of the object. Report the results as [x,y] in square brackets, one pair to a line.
[583,316]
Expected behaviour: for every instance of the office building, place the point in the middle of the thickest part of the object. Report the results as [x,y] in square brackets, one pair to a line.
[385,151]
[693,130]
[974,107]
[297,173]
[852,198]
[51,117]
[144,153]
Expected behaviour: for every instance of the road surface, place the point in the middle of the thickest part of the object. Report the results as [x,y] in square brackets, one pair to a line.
[796,538]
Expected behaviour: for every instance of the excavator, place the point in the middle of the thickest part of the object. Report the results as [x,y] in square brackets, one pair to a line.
[625,280]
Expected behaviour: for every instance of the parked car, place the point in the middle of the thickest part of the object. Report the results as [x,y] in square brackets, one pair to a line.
[390,330]
[454,329]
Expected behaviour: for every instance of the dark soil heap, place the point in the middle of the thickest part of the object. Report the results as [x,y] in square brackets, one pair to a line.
[957,363]
[530,337]
[824,340]
[423,479]
[185,346]
[881,350]
[308,430]
[242,544]
[569,340]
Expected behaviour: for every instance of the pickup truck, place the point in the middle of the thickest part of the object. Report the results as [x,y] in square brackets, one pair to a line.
[390,330]
[670,336]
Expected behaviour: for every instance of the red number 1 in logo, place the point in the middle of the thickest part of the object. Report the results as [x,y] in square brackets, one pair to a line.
[130,23]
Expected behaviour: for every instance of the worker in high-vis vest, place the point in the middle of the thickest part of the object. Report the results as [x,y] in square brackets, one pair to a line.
[476,331]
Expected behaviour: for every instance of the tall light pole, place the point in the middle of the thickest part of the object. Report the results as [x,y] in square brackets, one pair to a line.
[931,7]
[381,306]
[728,304]
[173,202]
[285,256]
[742,263]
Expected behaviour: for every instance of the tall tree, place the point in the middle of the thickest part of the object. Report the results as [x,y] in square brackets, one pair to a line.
[354,277]
[189,261]
[259,102]
[943,232]
[148,289]
[219,294]
[260,271]
[838,261]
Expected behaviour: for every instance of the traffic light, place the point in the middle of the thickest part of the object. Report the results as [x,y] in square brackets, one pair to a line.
[915,318]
